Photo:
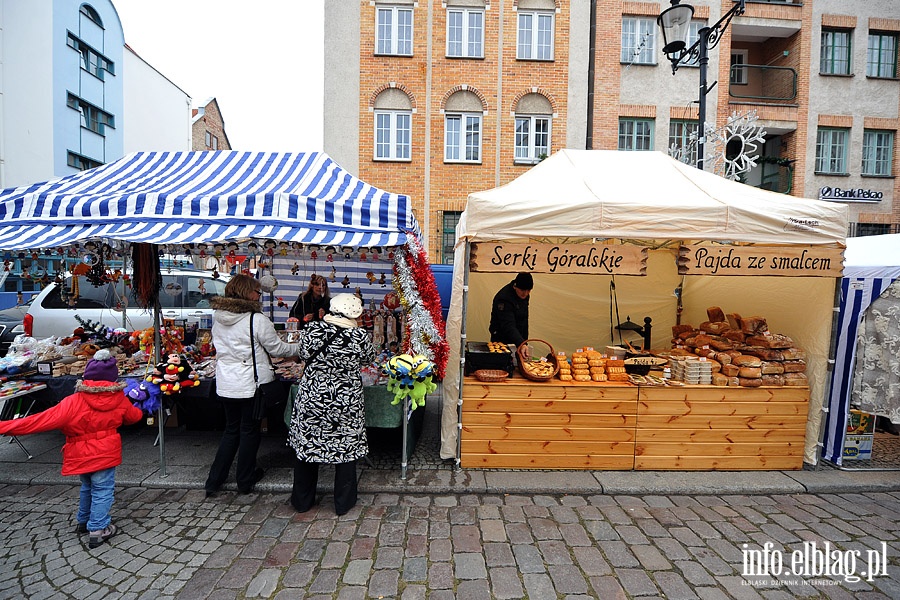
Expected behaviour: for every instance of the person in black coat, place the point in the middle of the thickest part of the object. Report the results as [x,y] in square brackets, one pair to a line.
[509,311]
[313,304]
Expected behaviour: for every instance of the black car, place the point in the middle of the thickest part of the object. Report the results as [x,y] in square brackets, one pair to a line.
[11,324]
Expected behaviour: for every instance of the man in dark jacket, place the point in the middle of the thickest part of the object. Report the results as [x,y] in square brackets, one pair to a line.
[509,311]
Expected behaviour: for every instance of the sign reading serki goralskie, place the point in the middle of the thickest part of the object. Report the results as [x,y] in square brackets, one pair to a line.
[597,259]
[781,261]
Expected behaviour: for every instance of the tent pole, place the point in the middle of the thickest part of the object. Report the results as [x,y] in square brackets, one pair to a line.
[462,355]
[161,416]
[832,350]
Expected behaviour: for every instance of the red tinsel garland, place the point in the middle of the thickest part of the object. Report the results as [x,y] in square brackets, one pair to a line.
[426,286]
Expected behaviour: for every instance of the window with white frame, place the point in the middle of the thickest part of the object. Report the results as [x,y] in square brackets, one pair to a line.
[394,30]
[635,134]
[881,55]
[738,73]
[835,59]
[878,152]
[683,138]
[535,35]
[831,151]
[393,125]
[462,127]
[462,141]
[465,32]
[638,41]
[533,123]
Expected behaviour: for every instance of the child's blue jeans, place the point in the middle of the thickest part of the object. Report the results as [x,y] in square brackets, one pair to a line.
[97,491]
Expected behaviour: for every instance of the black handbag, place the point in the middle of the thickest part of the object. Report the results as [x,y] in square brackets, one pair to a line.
[268,395]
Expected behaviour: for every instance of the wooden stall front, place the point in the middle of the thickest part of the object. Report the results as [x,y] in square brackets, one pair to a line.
[523,424]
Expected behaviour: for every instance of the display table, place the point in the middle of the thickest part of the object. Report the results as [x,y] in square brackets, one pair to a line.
[523,424]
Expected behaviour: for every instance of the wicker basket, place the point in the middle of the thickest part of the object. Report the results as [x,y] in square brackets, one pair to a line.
[551,358]
[491,375]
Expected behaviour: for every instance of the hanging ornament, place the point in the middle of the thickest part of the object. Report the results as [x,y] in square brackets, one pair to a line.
[283,248]
[370,276]
[333,275]
[173,289]
[383,280]
[295,270]
[345,282]
[348,252]
[736,145]
[268,283]
[362,254]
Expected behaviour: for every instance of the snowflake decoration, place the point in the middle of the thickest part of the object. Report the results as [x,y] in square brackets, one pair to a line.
[734,148]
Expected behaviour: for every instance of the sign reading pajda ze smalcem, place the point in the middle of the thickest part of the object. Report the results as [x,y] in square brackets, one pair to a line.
[779,261]
[597,259]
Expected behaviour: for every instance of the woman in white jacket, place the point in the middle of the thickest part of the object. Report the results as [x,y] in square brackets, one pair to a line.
[235,387]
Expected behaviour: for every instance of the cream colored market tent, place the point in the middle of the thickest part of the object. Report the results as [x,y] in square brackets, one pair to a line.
[650,199]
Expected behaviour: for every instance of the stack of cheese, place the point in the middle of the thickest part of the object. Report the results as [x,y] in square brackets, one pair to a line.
[615,369]
[588,365]
[565,369]
[743,351]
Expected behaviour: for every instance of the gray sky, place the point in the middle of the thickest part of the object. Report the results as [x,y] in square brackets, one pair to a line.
[261,60]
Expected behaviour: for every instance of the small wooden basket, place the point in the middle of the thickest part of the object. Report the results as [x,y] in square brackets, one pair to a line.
[546,374]
[491,375]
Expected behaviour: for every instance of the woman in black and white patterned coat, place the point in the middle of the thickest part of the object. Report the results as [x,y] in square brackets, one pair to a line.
[328,423]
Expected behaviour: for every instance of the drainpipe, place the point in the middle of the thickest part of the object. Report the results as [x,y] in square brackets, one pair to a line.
[592,43]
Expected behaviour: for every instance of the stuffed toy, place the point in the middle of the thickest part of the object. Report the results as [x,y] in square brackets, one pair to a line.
[143,394]
[410,376]
[173,375]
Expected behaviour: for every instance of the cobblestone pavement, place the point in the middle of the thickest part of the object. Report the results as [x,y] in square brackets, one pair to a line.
[178,544]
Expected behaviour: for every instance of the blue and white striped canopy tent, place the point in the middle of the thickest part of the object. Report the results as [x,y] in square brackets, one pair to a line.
[871,265]
[194,197]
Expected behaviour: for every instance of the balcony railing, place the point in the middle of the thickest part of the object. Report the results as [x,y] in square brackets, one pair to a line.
[763,83]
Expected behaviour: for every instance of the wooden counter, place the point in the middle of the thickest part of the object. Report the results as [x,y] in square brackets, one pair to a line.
[707,428]
[523,424]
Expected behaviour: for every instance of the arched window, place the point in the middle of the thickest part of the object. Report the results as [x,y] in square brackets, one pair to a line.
[88,11]
[534,117]
[393,125]
[462,128]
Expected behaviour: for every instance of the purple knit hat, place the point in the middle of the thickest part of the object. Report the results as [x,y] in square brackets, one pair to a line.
[102,367]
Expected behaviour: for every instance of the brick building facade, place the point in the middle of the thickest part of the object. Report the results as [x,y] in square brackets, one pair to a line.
[440,99]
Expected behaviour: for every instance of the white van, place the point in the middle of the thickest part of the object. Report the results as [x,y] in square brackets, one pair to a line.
[184,296]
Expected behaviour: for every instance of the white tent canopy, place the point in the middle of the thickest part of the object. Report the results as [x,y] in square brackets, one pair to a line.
[578,195]
[645,195]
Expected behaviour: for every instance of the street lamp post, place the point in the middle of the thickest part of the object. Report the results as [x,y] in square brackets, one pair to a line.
[675,25]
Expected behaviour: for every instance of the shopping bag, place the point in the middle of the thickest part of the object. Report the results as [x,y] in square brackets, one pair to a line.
[268,396]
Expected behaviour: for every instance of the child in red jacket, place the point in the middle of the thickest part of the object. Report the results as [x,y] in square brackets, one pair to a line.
[90,419]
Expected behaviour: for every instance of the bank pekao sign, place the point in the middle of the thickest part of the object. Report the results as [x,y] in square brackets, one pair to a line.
[849,195]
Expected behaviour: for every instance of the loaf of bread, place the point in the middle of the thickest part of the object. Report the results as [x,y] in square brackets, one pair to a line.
[771,368]
[677,330]
[793,354]
[754,325]
[719,379]
[698,341]
[774,340]
[734,319]
[795,379]
[746,360]
[580,377]
[716,327]
[794,366]
[750,372]
[723,357]
[721,344]
[565,377]
[773,380]
[730,370]
[750,382]
[714,313]
[763,353]
[735,335]
[598,377]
